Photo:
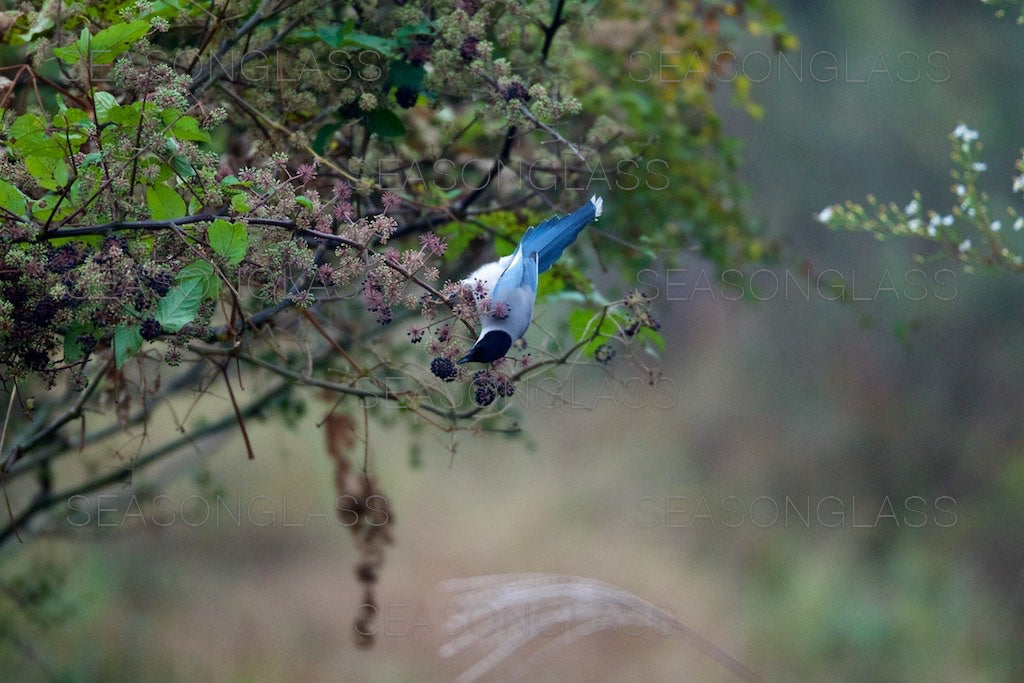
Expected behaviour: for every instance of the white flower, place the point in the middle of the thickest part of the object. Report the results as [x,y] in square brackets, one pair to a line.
[996,226]
[964,246]
[914,224]
[932,232]
[979,166]
[912,208]
[962,132]
[947,220]
[1018,183]
[971,212]
[960,190]
[1018,224]
[825,215]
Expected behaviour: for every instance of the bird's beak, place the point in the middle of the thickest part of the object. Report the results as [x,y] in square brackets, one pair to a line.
[466,358]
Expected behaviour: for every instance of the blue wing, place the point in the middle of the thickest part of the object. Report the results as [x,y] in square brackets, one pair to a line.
[550,238]
[521,272]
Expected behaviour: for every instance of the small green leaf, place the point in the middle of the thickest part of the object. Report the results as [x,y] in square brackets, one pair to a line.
[239,203]
[646,334]
[127,342]
[164,202]
[183,127]
[230,240]
[323,136]
[104,103]
[12,199]
[73,351]
[49,172]
[116,39]
[179,306]
[385,123]
[404,73]
[581,322]
[371,42]
[127,115]
[205,273]
[72,53]
[25,124]
[333,36]
[408,34]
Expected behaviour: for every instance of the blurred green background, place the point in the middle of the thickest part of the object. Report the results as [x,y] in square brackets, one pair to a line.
[827,492]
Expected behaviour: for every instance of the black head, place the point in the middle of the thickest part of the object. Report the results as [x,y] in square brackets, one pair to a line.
[490,347]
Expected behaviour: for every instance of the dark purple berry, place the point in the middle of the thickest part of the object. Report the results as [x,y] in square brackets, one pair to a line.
[419,54]
[406,96]
[515,91]
[151,329]
[443,368]
[160,283]
[468,50]
[36,359]
[504,385]
[485,389]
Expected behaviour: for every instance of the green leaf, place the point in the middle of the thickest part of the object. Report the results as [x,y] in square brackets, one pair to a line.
[385,123]
[38,144]
[128,115]
[407,35]
[333,36]
[581,322]
[50,172]
[205,273]
[127,342]
[179,306]
[182,167]
[25,124]
[323,136]
[230,240]
[183,127]
[371,42]
[73,351]
[104,103]
[164,202]
[646,334]
[12,199]
[584,325]
[116,39]
[239,203]
[404,73]
[72,53]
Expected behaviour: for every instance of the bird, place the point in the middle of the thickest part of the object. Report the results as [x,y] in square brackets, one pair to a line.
[507,288]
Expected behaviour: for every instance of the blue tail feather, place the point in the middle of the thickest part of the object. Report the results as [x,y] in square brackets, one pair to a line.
[550,238]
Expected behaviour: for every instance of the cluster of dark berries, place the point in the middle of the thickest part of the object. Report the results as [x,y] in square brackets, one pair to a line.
[443,368]
[515,91]
[151,329]
[488,385]
[64,258]
[406,96]
[604,354]
[485,389]
[160,283]
[468,49]
[415,334]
